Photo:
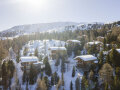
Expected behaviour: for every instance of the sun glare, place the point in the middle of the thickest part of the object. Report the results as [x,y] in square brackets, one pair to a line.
[34,4]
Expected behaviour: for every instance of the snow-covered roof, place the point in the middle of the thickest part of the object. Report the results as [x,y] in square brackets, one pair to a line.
[38,63]
[105,52]
[107,44]
[57,48]
[94,42]
[29,59]
[118,50]
[86,57]
[75,41]
[84,35]
[100,37]
[95,61]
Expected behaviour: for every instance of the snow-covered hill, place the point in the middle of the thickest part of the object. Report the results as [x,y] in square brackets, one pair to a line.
[48,27]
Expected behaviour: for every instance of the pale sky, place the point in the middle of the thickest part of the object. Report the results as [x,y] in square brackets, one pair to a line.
[19,12]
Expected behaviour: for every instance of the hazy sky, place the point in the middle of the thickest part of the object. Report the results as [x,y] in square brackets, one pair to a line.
[17,12]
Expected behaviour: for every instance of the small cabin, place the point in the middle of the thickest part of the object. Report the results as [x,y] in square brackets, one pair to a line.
[82,36]
[39,65]
[97,43]
[27,61]
[85,61]
[73,42]
[100,38]
[55,51]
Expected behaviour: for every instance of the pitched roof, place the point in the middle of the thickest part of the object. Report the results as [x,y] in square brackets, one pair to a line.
[94,42]
[57,48]
[86,57]
[118,50]
[29,59]
[75,41]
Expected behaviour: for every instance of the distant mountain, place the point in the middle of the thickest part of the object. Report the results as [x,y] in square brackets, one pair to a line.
[31,28]
[49,27]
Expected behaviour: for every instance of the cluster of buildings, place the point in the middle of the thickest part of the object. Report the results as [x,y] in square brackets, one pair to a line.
[50,48]
[53,48]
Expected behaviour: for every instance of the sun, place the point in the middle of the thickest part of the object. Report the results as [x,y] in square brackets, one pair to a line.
[34,4]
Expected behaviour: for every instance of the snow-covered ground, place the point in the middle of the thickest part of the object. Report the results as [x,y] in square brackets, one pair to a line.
[68,73]
[43,47]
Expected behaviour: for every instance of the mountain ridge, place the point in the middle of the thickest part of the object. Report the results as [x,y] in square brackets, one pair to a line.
[50,27]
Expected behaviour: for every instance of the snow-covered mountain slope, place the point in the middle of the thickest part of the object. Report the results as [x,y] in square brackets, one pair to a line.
[48,27]
[42,27]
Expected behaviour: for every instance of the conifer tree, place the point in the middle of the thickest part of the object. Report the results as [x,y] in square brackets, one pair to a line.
[18,56]
[83,82]
[117,72]
[47,82]
[62,79]
[106,86]
[73,71]
[36,52]
[48,70]
[116,84]
[91,75]
[104,44]
[25,51]
[108,59]
[101,58]
[10,68]
[32,74]
[3,51]
[86,84]
[114,58]
[4,75]
[52,80]
[77,84]
[56,78]
[41,75]
[24,75]
[71,85]
[63,65]
[45,60]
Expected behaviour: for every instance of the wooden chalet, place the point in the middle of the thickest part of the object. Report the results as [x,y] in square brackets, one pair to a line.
[85,61]
[57,51]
